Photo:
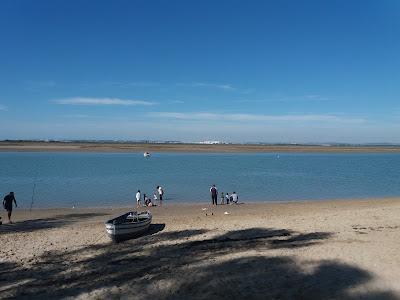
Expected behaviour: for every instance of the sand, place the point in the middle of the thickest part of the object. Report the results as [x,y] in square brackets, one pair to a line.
[308,250]
[227,148]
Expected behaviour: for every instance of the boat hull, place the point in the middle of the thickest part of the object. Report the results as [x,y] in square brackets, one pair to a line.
[127,230]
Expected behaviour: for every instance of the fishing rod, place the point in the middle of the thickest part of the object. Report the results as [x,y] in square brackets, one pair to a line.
[33,190]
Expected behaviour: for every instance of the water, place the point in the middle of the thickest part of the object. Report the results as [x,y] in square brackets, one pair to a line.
[104,179]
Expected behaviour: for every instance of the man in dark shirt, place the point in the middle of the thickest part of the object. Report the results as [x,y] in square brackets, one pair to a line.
[214,194]
[8,204]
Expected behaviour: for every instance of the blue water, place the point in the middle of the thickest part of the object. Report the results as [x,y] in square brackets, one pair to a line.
[103,179]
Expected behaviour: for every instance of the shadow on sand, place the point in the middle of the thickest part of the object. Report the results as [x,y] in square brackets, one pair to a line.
[235,265]
[155,228]
[46,223]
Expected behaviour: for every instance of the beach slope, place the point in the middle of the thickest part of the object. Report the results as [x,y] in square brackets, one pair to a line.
[308,250]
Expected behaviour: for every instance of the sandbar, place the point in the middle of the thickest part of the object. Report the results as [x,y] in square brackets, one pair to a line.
[155,147]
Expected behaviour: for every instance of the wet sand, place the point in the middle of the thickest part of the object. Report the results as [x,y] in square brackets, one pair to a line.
[229,148]
[308,250]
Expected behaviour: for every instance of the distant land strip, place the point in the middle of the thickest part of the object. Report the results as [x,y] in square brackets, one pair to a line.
[26,146]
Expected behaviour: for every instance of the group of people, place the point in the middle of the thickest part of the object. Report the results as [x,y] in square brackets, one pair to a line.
[157,195]
[225,198]
[147,201]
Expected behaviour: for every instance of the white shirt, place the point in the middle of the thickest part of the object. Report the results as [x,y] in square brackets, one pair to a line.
[160,191]
[234,197]
[137,196]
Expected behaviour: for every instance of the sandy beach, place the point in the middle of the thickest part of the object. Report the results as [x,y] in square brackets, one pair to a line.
[201,148]
[308,250]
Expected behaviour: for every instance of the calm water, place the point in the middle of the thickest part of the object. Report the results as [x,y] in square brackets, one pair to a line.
[97,179]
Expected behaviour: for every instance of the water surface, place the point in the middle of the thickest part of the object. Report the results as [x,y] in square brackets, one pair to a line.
[103,179]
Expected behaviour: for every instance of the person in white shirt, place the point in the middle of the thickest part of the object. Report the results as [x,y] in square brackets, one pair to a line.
[227,198]
[160,193]
[235,197]
[138,196]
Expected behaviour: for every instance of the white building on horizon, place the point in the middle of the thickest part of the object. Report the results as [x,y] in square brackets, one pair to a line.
[211,142]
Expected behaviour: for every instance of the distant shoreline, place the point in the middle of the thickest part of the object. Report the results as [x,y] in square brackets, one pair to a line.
[201,148]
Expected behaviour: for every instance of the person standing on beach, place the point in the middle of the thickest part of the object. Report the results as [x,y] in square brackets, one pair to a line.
[160,193]
[235,198]
[222,198]
[214,195]
[138,196]
[227,198]
[8,205]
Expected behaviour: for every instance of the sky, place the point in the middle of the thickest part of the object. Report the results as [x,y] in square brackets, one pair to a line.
[235,71]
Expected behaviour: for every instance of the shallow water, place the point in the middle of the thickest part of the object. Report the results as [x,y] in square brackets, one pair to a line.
[103,179]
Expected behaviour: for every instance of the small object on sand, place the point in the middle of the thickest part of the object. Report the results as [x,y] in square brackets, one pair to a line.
[226,213]
[204,208]
[73,206]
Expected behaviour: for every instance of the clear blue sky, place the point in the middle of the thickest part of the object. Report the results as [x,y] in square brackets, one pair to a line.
[270,71]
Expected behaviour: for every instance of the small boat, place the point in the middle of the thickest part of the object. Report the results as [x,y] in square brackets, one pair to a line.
[146,154]
[129,225]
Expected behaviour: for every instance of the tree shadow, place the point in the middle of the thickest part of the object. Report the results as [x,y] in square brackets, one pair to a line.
[262,238]
[179,234]
[280,277]
[155,228]
[46,223]
[5,267]
[237,265]
[301,240]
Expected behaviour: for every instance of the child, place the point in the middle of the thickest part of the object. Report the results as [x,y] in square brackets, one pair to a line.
[227,198]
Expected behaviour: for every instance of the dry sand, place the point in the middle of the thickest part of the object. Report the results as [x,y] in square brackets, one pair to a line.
[314,250]
[137,147]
